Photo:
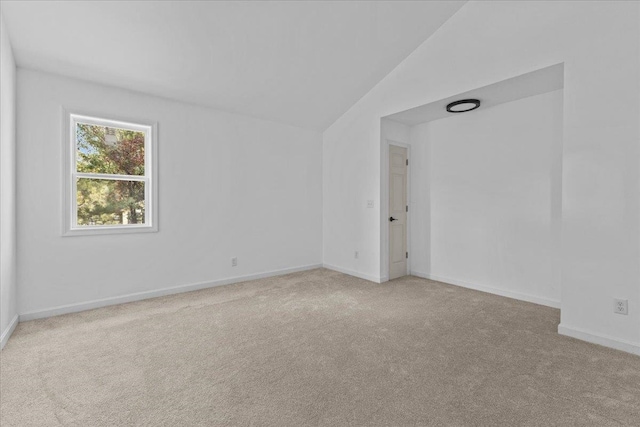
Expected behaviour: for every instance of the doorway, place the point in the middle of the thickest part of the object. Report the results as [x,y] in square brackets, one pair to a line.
[398,211]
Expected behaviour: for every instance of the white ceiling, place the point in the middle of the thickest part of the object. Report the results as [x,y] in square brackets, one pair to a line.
[301,63]
[533,83]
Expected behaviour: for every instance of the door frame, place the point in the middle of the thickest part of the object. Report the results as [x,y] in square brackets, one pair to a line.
[384,209]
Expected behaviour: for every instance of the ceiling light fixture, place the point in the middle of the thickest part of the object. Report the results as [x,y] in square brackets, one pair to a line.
[463,105]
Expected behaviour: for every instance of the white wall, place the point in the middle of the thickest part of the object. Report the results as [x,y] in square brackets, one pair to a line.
[8,282]
[229,186]
[494,194]
[486,42]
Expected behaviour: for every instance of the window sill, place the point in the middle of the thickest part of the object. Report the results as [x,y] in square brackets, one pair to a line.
[93,231]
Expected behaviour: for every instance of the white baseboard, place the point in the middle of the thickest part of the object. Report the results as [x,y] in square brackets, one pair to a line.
[616,343]
[6,334]
[353,273]
[504,293]
[89,305]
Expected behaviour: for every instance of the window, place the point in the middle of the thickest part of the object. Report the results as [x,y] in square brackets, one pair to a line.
[109,179]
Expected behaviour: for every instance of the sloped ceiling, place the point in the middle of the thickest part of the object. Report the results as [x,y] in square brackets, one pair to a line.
[300,63]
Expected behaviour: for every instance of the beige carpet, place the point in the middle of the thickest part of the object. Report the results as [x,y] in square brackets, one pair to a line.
[315,348]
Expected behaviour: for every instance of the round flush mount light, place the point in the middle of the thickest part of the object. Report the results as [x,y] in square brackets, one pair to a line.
[463,105]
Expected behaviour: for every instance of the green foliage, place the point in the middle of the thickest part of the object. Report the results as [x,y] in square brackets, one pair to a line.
[109,202]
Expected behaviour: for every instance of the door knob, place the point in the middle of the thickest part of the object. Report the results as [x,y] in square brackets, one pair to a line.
[392,219]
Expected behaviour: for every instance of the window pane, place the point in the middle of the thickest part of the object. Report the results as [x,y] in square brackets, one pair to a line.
[110,202]
[102,149]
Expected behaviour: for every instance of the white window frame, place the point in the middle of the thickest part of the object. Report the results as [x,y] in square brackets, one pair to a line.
[70,202]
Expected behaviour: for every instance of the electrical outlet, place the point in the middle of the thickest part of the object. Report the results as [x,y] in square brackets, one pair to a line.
[621,306]
[369,204]
[356,255]
[234,262]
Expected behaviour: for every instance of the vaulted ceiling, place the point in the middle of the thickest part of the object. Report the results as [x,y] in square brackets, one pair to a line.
[300,63]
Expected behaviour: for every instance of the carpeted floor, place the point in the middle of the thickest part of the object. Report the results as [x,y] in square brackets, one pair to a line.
[315,348]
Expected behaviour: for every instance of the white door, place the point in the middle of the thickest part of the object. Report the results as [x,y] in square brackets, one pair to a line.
[397,212]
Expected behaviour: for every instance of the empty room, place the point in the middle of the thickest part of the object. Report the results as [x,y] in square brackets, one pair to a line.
[319,213]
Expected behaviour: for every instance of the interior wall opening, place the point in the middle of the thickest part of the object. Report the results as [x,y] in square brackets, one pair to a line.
[485,201]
